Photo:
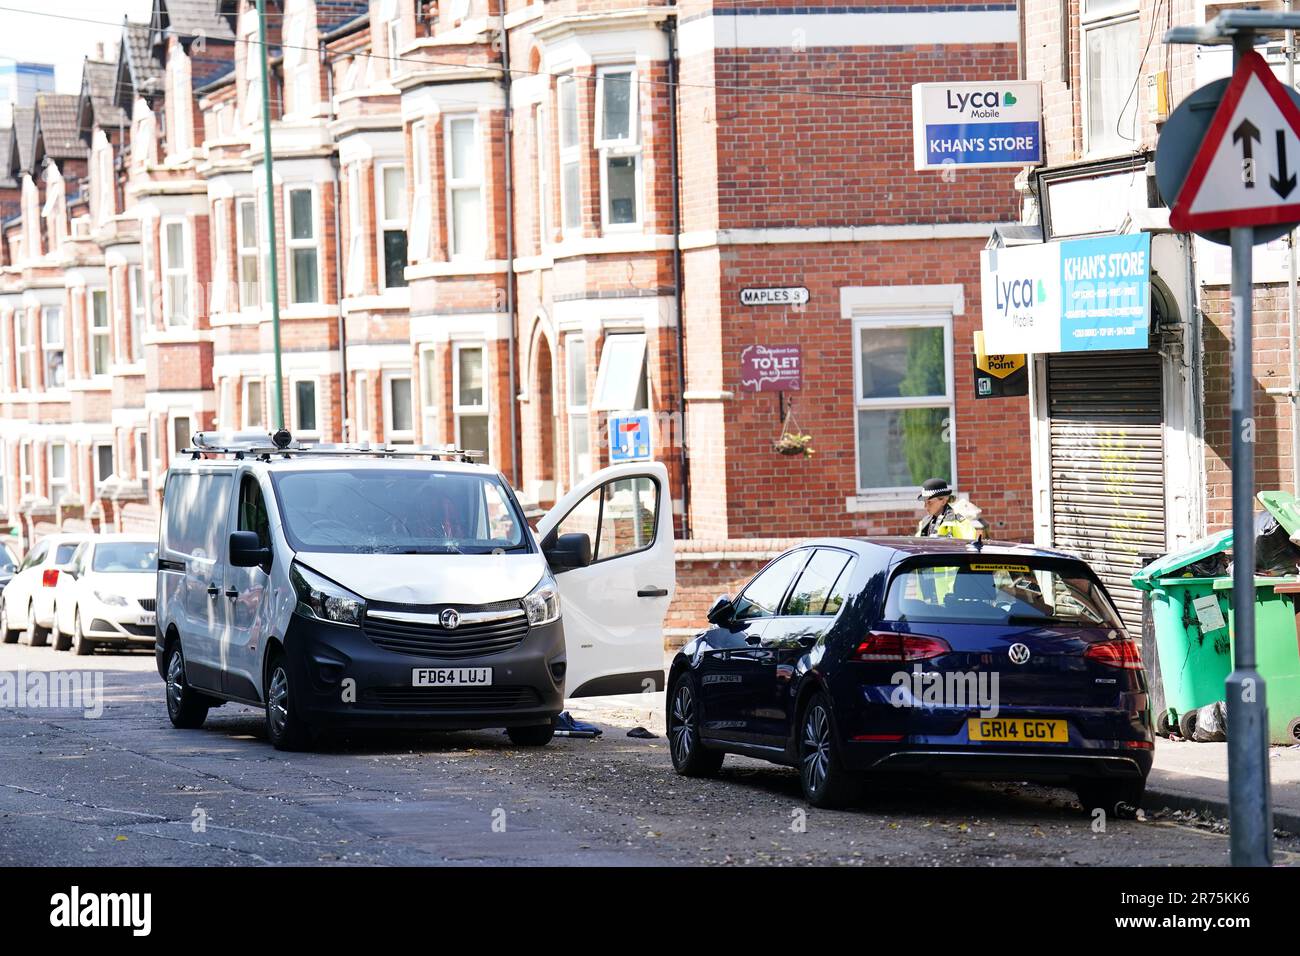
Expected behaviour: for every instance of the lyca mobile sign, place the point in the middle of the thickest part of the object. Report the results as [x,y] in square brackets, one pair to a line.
[976,124]
[1077,296]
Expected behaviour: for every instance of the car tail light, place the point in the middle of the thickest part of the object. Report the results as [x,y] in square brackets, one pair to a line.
[1121,653]
[50,578]
[892,648]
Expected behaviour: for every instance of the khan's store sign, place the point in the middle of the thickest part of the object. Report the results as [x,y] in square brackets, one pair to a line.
[976,125]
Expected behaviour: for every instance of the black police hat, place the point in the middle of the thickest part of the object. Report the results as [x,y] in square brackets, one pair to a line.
[934,488]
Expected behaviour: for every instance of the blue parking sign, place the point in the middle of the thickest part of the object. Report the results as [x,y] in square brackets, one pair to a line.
[629,437]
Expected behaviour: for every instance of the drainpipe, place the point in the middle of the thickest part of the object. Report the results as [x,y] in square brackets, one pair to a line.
[338,257]
[669,27]
[509,121]
[1291,297]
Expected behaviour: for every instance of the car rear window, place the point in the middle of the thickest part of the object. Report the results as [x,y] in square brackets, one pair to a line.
[64,553]
[1005,592]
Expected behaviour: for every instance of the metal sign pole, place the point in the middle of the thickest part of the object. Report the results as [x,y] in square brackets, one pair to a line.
[270,213]
[1248,792]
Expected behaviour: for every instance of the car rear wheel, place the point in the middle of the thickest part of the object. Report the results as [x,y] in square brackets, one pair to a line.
[186,707]
[691,758]
[534,735]
[1118,798]
[81,645]
[36,635]
[58,640]
[827,784]
[7,634]
[285,728]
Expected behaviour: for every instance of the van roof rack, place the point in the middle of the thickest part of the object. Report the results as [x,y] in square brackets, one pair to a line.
[264,447]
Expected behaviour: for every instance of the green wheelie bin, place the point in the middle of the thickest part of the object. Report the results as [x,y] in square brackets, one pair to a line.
[1191,630]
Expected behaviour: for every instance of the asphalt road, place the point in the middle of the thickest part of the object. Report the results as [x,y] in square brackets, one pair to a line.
[127,789]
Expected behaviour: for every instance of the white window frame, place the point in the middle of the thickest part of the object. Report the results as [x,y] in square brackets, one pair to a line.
[248,247]
[391,435]
[387,222]
[143,462]
[245,405]
[421,217]
[49,347]
[174,416]
[482,410]
[294,382]
[310,243]
[361,398]
[356,263]
[97,332]
[225,405]
[629,148]
[473,182]
[576,406]
[570,153]
[220,268]
[58,485]
[604,395]
[26,335]
[136,296]
[948,401]
[1089,22]
[298,64]
[428,356]
[25,468]
[170,272]
[100,478]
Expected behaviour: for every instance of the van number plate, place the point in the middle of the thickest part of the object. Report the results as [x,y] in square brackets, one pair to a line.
[451,676]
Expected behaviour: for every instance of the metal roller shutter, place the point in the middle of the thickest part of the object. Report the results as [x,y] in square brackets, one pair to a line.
[1107,464]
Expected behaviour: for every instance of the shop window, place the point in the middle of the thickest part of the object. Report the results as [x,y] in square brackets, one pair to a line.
[621,383]
[1112,56]
[904,403]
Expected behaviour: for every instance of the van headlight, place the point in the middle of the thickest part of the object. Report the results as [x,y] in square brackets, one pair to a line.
[542,603]
[324,600]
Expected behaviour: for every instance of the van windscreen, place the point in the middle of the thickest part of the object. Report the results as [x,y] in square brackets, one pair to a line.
[1003,592]
[397,511]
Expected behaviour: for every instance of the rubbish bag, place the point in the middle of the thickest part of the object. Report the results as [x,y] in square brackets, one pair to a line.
[1274,552]
[1210,566]
[1211,724]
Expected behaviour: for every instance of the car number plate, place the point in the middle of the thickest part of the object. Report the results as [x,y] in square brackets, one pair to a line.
[1038,730]
[148,620]
[451,676]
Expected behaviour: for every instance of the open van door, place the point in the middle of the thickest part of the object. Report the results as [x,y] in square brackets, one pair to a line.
[614,596]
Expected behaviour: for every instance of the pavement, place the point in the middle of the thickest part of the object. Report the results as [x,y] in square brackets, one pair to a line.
[1192,776]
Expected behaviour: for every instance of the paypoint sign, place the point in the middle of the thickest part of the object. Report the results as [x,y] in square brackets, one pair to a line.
[1076,296]
[976,124]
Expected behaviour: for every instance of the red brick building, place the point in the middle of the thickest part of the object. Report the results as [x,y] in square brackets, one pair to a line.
[499,226]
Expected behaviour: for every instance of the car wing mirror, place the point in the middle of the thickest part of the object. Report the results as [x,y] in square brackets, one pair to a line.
[723,611]
[246,550]
[567,551]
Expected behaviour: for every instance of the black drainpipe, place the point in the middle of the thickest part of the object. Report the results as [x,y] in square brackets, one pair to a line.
[670,28]
[509,121]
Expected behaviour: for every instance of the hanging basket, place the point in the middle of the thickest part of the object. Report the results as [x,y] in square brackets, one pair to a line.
[792,442]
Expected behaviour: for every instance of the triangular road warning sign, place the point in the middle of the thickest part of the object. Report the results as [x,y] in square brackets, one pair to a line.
[1247,170]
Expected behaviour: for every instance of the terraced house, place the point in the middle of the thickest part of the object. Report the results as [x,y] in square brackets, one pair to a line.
[500,224]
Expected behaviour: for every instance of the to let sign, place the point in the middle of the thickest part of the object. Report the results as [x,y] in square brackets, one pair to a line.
[771,368]
[794,295]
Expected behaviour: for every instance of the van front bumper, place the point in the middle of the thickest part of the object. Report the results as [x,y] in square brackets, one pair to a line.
[341,679]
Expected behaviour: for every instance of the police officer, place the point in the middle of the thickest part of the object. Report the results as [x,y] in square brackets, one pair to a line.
[941,519]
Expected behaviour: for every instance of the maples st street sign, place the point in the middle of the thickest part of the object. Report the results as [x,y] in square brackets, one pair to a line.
[1245,172]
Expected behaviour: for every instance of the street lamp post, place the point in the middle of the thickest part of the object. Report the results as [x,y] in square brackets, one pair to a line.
[270,212]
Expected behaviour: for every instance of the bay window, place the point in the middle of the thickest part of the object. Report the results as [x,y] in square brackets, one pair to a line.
[575,376]
[420,205]
[356,278]
[464,170]
[618,143]
[181,434]
[304,281]
[142,463]
[390,194]
[176,275]
[246,233]
[254,413]
[570,155]
[103,462]
[52,345]
[399,420]
[58,466]
[26,350]
[220,278]
[471,399]
[362,400]
[621,382]
[1112,56]
[543,174]
[100,344]
[304,408]
[135,292]
[428,386]
[904,402]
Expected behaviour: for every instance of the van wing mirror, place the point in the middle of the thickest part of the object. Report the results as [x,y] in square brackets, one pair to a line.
[723,611]
[567,551]
[246,550]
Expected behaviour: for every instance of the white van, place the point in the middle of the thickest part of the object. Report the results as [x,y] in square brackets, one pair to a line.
[340,587]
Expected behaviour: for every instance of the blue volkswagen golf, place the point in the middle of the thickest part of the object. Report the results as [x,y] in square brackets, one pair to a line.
[848,658]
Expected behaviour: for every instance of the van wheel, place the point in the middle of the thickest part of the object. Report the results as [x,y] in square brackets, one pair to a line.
[1118,798]
[81,645]
[534,735]
[284,727]
[186,707]
[827,784]
[7,634]
[690,757]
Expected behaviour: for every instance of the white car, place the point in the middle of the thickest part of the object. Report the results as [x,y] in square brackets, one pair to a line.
[27,603]
[108,594]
